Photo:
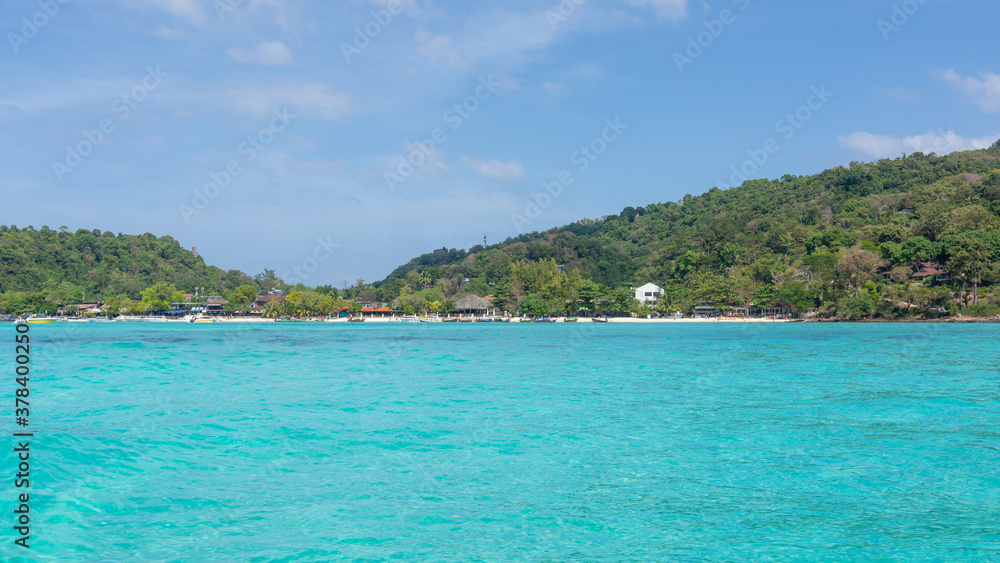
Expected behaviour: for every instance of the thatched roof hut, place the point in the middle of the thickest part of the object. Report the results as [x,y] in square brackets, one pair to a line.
[471,303]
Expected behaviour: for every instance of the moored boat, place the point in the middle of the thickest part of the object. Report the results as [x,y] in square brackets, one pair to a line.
[140,319]
[201,318]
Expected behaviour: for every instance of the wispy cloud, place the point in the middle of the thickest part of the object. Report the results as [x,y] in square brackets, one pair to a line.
[494,169]
[666,9]
[556,89]
[886,146]
[439,48]
[316,100]
[164,32]
[188,10]
[265,53]
[983,91]
[88,94]
[503,36]
[433,162]
[409,7]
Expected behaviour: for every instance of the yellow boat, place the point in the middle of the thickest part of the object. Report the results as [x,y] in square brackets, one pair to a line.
[36,320]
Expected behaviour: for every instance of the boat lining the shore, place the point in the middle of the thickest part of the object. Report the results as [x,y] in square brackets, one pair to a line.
[140,319]
[37,320]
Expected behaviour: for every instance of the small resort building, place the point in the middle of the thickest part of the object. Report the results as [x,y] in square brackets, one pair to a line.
[648,294]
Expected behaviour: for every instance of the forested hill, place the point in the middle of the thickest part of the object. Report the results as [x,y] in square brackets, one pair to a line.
[100,263]
[900,209]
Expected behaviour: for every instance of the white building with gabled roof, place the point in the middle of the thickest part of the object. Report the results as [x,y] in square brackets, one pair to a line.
[648,294]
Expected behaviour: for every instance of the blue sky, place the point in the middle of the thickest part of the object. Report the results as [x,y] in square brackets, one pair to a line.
[269,132]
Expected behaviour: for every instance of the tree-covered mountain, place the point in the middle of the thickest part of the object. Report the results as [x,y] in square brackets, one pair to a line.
[70,267]
[915,235]
[810,241]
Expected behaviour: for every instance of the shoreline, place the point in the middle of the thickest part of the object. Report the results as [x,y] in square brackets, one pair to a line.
[626,320]
[623,320]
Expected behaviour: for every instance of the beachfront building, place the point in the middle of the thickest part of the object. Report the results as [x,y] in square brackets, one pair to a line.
[743,311]
[471,304]
[648,294]
[263,300]
[258,305]
[778,312]
[376,310]
[706,310]
[88,308]
[215,306]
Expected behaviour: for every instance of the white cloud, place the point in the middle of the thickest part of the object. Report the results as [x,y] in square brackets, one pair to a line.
[887,146]
[556,89]
[189,10]
[316,100]
[439,48]
[265,53]
[409,7]
[506,36]
[49,95]
[984,92]
[494,169]
[164,32]
[506,83]
[666,9]
[433,159]
[498,35]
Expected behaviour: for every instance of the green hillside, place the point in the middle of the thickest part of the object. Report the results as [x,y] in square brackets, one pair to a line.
[810,241]
[843,243]
[71,267]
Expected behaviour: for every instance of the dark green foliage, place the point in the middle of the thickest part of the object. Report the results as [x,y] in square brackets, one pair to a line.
[840,242]
[738,244]
[860,306]
[100,264]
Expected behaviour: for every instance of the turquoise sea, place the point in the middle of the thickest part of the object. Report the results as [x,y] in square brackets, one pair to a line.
[554,442]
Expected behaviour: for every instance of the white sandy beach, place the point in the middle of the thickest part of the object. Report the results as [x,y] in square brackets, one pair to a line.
[719,320]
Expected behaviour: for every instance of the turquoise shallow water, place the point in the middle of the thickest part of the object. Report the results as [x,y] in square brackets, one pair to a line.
[507,442]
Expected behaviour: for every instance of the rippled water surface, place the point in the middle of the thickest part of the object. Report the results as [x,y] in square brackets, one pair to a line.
[512,442]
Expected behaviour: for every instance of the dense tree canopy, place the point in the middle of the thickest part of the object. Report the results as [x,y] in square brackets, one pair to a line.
[810,241]
[843,242]
[99,263]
